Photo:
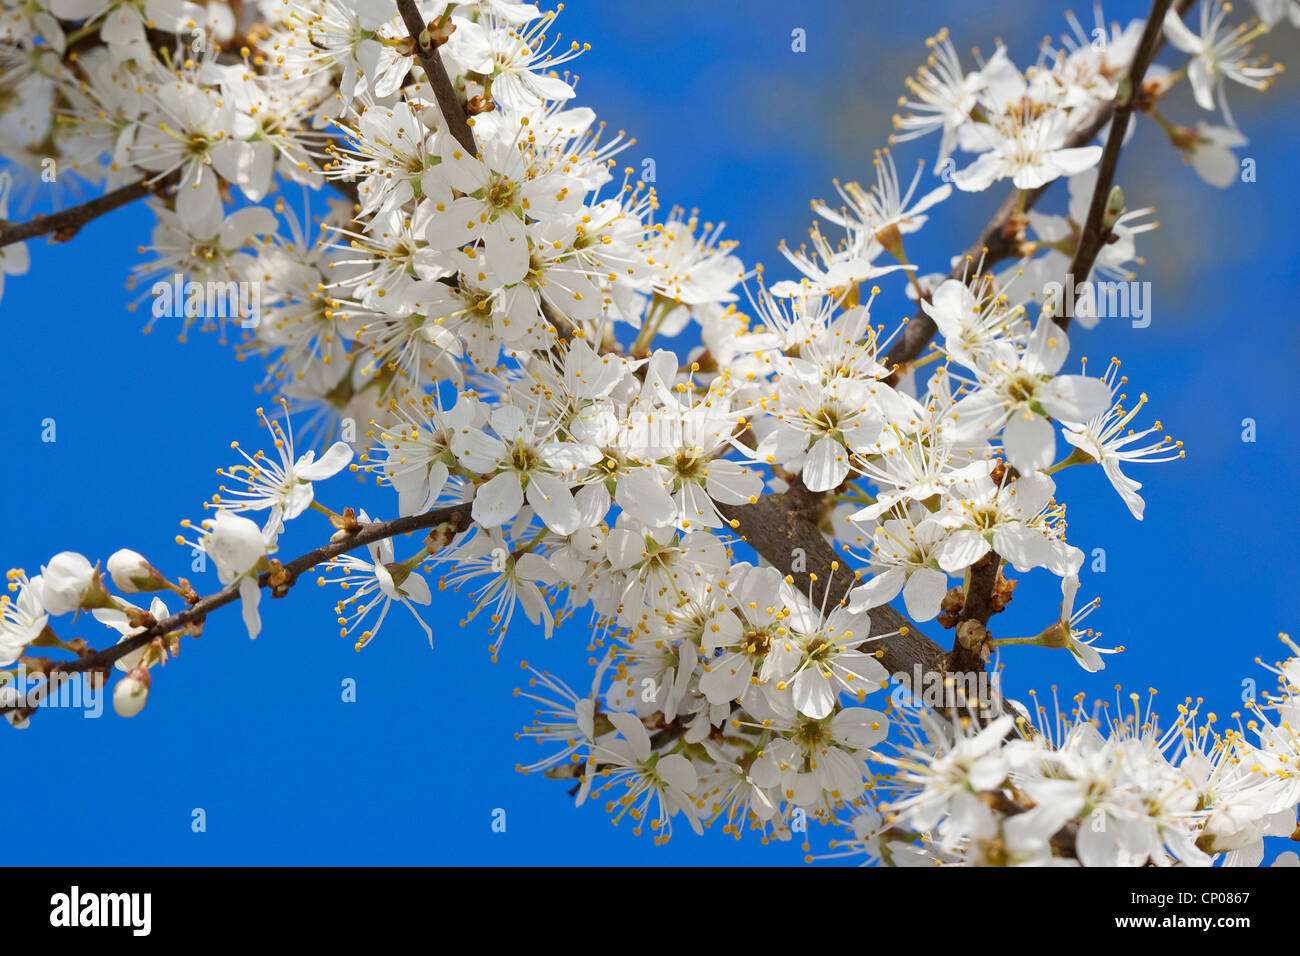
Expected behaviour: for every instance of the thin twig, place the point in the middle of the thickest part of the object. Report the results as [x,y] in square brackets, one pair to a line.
[449,104]
[67,222]
[1091,239]
[457,516]
[978,608]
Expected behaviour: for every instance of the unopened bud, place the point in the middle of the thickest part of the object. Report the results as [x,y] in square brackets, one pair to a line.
[131,573]
[131,692]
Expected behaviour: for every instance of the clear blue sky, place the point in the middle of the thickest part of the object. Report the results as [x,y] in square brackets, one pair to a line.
[256,733]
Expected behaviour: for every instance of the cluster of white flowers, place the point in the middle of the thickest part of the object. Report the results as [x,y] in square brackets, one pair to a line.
[68,585]
[516,328]
[1087,787]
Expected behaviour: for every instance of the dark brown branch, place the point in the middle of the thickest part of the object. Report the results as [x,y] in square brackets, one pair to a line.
[1093,237]
[66,223]
[449,104]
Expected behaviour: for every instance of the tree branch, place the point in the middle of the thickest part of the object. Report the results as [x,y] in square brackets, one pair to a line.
[779,524]
[975,613]
[455,516]
[1092,238]
[449,104]
[67,223]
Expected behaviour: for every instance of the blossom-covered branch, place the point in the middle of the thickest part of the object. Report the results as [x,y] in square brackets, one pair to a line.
[1001,237]
[739,484]
[447,522]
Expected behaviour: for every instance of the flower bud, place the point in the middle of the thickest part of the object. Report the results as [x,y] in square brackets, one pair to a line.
[131,692]
[65,581]
[132,573]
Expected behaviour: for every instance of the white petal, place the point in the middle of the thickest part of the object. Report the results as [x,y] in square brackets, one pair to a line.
[813,694]
[507,248]
[880,589]
[553,502]
[961,550]
[924,593]
[678,772]
[1074,398]
[981,174]
[1198,75]
[642,494]
[417,589]
[329,464]
[630,726]
[859,727]
[251,595]
[498,501]
[827,465]
[1030,441]
[1072,161]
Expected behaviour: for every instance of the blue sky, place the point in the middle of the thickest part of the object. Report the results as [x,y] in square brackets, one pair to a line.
[256,733]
